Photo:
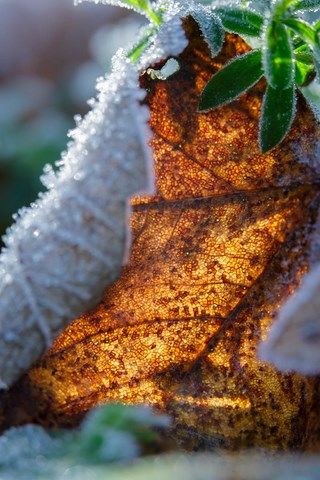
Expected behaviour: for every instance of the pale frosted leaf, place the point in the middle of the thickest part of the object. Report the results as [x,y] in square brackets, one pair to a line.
[294,341]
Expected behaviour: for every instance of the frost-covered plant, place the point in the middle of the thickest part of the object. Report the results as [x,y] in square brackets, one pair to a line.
[111,434]
[288,57]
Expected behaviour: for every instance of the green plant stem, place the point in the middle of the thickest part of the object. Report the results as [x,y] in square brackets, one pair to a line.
[154,16]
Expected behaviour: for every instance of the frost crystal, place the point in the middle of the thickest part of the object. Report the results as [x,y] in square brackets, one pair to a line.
[210,26]
[64,250]
[294,340]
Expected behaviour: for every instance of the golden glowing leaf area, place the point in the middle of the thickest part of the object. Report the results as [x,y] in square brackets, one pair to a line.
[214,255]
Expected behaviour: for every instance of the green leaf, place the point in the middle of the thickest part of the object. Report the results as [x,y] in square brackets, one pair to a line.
[232,80]
[304,63]
[281,7]
[307,5]
[211,29]
[240,21]
[278,56]
[303,29]
[303,54]
[141,45]
[278,112]
[309,35]
[304,73]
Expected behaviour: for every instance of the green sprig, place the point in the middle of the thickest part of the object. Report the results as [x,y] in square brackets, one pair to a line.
[289,59]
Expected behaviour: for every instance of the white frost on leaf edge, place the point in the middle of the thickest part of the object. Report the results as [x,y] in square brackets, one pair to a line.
[170,40]
[293,343]
[64,250]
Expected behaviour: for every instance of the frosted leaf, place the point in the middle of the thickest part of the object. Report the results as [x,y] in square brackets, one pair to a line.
[211,28]
[62,253]
[294,340]
[277,55]
[307,5]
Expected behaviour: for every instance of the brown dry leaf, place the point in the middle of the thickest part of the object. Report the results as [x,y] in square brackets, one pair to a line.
[213,258]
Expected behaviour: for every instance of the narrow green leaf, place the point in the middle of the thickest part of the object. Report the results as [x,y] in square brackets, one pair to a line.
[303,54]
[302,28]
[232,80]
[304,73]
[211,29]
[240,21]
[278,56]
[141,45]
[278,112]
[307,5]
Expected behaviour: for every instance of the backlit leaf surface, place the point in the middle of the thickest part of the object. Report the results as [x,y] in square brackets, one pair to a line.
[214,256]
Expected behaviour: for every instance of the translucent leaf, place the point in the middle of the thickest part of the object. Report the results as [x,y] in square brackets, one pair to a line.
[214,255]
[240,21]
[307,5]
[232,80]
[309,35]
[277,56]
[278,111]
[211,29]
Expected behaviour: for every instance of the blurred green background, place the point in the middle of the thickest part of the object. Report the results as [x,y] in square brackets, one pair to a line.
[51,52]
